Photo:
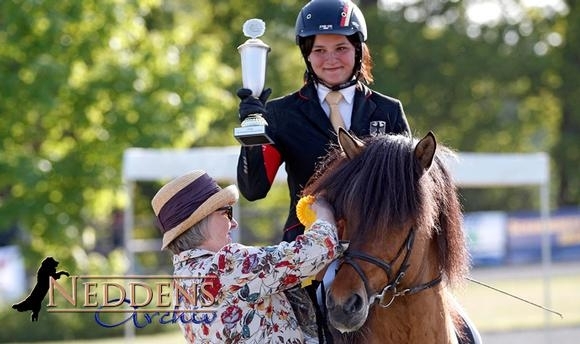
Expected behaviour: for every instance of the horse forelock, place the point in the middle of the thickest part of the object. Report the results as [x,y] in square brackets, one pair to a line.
[384,188]
[374,190]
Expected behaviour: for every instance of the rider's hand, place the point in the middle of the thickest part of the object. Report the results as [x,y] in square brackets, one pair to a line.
[250,104]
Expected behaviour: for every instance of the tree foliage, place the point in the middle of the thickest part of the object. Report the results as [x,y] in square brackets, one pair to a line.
[82,81]
[480,86]
[566,152]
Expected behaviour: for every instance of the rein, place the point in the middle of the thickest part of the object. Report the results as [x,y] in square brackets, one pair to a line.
[391,288]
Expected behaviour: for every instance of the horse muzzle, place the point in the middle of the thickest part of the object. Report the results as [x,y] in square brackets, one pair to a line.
[348,315]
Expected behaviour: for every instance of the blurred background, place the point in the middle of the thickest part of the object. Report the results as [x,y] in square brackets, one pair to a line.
[83,81]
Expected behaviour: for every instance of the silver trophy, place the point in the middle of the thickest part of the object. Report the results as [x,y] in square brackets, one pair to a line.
[253,53]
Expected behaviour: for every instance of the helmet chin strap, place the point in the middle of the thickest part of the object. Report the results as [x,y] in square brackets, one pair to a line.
[349,83]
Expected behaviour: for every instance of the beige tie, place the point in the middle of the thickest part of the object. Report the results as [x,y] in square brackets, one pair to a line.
[333,98]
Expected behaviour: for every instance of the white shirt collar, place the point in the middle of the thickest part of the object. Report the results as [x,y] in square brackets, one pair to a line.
[347,93]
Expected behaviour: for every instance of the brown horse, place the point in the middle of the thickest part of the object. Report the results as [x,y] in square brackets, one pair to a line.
[398,209]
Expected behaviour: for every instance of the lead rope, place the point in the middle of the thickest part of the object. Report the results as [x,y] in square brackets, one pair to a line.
[514,296]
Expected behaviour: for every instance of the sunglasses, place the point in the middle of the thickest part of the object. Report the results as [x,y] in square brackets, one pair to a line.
[228,210]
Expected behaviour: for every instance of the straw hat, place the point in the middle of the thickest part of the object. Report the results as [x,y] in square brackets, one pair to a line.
[186,200]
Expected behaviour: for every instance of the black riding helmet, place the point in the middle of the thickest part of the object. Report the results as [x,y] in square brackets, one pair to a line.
[340,17]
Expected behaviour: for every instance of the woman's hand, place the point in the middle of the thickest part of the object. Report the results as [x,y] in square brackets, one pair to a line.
[323,210]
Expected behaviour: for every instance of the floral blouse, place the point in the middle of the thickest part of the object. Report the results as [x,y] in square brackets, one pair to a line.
[246,284]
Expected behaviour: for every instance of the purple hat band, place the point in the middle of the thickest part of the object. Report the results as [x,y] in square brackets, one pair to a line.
[185,202]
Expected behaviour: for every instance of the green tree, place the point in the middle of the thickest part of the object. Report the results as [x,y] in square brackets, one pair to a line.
[566,153]
[82,81]
[483,87]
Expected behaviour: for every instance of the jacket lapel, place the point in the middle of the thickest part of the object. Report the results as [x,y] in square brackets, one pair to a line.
[363,108]
[312,110]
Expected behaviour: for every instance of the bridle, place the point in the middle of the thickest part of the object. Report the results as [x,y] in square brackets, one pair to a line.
[383,298]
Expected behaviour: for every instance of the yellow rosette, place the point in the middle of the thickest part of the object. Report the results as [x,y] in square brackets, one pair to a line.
[305,214]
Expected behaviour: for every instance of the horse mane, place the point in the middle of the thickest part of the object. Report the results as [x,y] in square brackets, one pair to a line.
[384,187]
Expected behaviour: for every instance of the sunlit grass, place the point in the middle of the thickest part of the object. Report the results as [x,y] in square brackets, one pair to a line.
[493,311]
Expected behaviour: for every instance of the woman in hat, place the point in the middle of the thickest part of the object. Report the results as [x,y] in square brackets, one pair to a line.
[244,284]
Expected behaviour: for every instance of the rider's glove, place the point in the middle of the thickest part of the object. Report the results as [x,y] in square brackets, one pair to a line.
[252,105]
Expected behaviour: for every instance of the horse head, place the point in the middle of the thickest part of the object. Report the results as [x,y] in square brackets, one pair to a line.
[398,209]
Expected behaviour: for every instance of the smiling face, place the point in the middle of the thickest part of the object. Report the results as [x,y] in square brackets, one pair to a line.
[332,58]
[220,224]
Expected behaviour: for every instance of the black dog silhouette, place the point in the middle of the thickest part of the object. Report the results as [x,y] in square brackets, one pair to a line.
[33,301]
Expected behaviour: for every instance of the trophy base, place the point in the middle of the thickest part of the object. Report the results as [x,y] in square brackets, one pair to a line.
[253,135]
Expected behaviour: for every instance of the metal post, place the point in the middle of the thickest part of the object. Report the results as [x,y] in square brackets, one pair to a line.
[546,254]
[128,224]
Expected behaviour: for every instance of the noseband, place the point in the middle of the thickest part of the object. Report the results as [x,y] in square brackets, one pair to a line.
[391,288]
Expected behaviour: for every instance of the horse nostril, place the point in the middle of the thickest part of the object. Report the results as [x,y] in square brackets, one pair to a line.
[353,304]
[329,301]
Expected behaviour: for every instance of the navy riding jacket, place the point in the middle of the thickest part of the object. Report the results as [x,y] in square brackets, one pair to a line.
[302,134]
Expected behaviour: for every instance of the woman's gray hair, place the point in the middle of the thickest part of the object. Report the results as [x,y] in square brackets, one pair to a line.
[191,238]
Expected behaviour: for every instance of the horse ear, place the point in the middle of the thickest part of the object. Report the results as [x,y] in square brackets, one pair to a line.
[349,144]
[425,150]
